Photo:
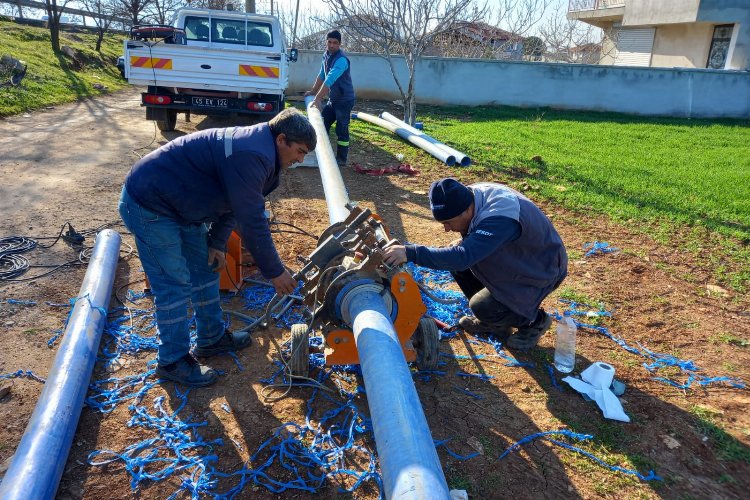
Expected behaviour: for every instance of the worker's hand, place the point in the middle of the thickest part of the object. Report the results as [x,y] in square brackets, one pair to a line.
[395,255]
[284,283]
[318,102]
[216,259]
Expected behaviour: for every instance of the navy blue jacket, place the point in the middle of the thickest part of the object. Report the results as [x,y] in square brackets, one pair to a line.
[511,247]
[343,88]
[192,181]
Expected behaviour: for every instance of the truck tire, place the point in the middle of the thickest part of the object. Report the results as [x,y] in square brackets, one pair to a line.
[169,123]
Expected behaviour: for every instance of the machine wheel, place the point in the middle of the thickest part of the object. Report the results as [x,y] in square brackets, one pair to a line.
[168,125]
[299,360]
[426,341]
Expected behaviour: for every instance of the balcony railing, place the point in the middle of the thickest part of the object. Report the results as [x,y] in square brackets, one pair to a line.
[578,5]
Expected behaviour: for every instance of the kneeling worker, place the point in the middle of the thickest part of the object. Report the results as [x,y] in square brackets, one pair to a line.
[509,258]
[181,203]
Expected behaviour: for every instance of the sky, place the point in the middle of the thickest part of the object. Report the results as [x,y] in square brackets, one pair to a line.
[313,7]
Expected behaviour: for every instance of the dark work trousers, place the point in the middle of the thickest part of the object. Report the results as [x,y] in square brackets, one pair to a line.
[485,307]
[341,113]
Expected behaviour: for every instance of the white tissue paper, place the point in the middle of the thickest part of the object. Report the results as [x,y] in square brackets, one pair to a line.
[595,383]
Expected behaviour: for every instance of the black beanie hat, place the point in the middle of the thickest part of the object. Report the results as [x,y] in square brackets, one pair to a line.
[449,198]
[334,34]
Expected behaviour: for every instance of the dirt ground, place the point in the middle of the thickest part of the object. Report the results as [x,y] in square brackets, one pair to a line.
[68,164]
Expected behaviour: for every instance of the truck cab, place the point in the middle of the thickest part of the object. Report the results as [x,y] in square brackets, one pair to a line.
[209,62]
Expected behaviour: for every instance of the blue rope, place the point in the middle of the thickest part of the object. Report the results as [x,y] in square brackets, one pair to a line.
[468,392]
[579,437]
[659,360]
[553,378]
[20,302]
[72,302]
[452,453]
[176,448]
[104,395]
[481,376]
[23,374]
[598,247]
[312,453]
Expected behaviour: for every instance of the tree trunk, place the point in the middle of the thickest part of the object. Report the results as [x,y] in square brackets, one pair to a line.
[410,101]
[20,10]
[99,38]
[53,23]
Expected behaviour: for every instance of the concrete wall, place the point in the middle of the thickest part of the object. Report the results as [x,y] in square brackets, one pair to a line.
[472,82]
[649,12]
[682,45]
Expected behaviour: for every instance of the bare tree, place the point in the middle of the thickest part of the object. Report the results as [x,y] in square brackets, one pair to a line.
[401,27]
[302,27]
[518,17]
[103,13]
[132,9]
[161,11]
[54,11]
[238,5]
[567,39]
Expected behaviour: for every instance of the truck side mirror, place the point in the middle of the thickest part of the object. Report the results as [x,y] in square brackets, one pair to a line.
[293,55]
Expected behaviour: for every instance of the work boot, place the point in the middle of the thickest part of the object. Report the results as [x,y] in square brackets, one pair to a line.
[528,336]
[342,153]
[229,342]
[188,371]
[470,324]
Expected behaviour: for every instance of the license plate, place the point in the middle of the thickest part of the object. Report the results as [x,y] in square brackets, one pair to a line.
[210,102]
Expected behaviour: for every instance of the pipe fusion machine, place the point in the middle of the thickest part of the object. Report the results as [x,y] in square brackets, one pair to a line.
[348,260]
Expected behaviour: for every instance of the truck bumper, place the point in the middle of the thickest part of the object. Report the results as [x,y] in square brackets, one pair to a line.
[202,105]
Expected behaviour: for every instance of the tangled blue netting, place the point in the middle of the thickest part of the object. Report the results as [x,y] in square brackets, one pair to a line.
[658,360]
[309,455]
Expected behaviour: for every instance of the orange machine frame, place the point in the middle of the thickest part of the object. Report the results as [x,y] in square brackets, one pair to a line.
[340,346]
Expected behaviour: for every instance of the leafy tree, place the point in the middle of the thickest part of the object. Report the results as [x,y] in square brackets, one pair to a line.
[533,47]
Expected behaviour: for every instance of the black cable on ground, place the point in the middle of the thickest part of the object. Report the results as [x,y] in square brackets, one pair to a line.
[13,265]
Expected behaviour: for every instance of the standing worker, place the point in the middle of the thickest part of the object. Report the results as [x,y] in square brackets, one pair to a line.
[509,258]
[335,82]
[181,202]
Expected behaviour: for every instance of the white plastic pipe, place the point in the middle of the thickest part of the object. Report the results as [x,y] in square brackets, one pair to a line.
[461,158]
[416,139]
[330,174]
[408,460]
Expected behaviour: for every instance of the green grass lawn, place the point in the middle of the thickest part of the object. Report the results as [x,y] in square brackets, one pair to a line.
[659,175]
[54,79]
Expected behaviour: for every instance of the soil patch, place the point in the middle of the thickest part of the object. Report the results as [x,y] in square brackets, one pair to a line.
[68,164]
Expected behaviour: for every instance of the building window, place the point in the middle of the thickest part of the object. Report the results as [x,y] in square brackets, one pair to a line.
[717,54]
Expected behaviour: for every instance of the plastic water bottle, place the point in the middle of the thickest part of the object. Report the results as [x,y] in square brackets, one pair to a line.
[565,344]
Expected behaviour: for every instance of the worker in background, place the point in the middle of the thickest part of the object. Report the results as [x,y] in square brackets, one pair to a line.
[508,259]
[181,202]
[335,82]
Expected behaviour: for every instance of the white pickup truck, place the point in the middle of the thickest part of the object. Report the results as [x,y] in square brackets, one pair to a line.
[209,62]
